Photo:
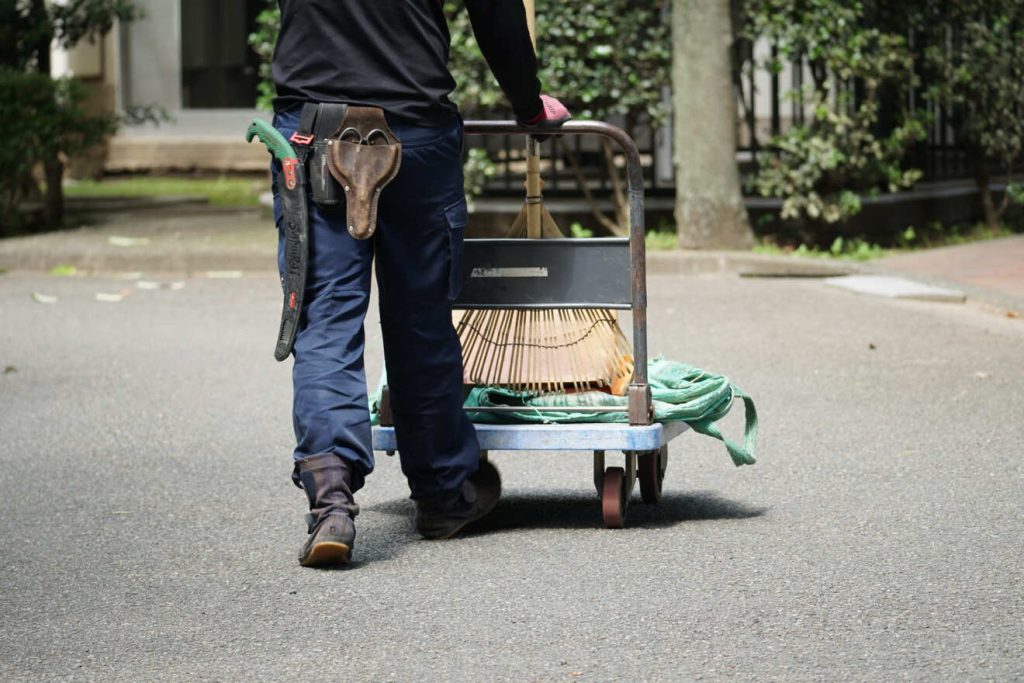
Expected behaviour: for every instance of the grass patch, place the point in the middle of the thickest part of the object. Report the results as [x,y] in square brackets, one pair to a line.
[655,240]
[938,235]
[659,240]
[912,239]
[846,249]
[219,191]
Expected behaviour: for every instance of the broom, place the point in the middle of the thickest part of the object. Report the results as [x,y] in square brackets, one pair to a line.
[550,349]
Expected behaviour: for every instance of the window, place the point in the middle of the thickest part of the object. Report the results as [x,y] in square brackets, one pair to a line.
[218,69]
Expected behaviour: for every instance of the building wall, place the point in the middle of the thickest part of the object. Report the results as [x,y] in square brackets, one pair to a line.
[140,65]
[151,57]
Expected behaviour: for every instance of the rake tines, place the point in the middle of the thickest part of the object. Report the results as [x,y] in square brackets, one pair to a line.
[545,350]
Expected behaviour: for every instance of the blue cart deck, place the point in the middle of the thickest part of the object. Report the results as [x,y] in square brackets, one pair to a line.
[559,437]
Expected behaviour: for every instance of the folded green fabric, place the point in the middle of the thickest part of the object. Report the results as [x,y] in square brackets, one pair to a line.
[681,393]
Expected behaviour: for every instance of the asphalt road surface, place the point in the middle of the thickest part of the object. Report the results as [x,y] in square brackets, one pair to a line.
[149,530]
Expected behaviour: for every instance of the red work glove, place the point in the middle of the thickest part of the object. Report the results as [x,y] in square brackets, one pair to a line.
[552,114]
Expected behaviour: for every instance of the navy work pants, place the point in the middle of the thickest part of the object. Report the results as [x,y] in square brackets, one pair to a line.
[418,249]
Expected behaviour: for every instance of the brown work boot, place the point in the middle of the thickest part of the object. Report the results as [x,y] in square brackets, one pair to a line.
[447,514]
[326,479]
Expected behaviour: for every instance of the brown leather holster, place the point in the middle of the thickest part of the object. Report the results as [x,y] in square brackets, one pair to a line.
[364,156]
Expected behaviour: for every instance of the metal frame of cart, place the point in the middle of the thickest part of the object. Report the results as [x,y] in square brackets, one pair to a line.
[569,266]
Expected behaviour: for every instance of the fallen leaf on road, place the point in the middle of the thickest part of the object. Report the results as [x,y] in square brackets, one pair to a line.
[112,298]
[44,298]
[1012,314]
[148,285]
[10,370]
[224,274]
[63,270]
[119,241]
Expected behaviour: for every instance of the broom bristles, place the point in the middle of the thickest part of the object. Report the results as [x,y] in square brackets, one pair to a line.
[545,350]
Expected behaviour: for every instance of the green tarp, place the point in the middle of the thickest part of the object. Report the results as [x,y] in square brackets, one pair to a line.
[681,392]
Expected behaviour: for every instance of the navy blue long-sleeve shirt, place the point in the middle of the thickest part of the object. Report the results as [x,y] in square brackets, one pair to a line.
[393,54]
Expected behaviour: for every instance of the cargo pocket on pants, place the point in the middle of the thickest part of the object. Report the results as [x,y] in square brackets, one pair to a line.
[457,217]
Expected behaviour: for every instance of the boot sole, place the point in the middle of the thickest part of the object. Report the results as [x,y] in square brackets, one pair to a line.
[327,554]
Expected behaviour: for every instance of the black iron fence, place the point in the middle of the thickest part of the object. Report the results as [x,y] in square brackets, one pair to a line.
[568,162]
[765,110]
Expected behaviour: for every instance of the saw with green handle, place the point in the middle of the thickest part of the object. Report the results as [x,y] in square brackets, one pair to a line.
[295,223]
[272,138]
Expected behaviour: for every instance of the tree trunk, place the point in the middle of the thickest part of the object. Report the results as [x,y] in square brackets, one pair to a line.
[54,200]
[53,167]
[709,205]
[983,180]
[44,39]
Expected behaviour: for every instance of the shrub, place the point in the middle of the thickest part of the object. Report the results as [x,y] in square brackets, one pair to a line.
[818,168]
[976,55]
[44,122]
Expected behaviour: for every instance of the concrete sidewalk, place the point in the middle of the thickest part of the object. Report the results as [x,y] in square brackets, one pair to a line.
[996,264]
[194,240]
[182,240]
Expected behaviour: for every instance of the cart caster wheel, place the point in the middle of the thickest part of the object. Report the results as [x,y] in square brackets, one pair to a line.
[614,498]
[651,473]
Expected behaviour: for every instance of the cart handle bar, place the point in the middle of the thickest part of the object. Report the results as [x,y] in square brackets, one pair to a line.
[634,169]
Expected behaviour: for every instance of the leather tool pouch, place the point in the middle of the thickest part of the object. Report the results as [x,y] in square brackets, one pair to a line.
[363,155]
[324,188]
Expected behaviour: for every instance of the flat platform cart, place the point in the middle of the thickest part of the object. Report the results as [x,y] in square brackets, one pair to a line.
[600,273]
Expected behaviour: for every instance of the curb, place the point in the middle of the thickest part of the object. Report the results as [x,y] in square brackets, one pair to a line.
[743,263]
[40,253]
[746,264]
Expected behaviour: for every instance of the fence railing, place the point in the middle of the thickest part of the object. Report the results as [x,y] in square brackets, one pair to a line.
[569,161]
[765,109]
